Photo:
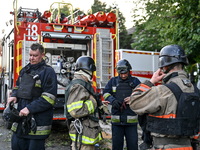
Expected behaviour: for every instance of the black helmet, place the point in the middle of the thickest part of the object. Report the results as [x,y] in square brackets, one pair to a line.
[123,66]
[11,114]
[85,62]
[172,54]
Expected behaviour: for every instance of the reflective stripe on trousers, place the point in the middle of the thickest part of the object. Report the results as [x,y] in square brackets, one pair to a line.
[130,119]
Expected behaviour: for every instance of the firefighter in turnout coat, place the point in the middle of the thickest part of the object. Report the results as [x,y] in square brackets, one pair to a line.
[173,106]
[35,92]
[85,130]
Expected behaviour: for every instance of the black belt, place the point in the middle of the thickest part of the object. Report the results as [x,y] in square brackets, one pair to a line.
[166,141]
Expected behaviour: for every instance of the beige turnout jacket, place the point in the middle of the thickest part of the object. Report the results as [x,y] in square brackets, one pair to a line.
[158,100]
[79,105]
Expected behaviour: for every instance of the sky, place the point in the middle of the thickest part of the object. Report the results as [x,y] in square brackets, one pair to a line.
[125,6]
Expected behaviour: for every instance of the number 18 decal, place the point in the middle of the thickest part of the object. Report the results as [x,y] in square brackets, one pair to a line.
[32,32]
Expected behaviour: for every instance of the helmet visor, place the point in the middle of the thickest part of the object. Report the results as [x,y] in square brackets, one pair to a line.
[122,69]
[164,61]
[168,60]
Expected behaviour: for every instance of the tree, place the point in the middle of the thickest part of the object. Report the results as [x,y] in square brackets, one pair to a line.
[168,22]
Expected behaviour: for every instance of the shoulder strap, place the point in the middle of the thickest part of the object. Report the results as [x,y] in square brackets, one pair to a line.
[42,68]
[175,89]
[132,83]
[87,85]
[132,78]
[116,81]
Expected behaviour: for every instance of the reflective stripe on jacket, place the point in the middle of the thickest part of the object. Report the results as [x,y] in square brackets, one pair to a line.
[81,104]
[41,130]
[40,106]
[161,102]
[118,89]
[86,140]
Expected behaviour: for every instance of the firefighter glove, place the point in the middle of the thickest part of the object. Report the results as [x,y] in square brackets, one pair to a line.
[25,126]
[33,125]
[104,108]
[116,104]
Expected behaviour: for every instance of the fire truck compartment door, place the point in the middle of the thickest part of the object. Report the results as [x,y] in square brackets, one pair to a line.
[66,46]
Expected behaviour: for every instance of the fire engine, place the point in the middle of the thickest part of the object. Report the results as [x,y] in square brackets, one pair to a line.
[65,39]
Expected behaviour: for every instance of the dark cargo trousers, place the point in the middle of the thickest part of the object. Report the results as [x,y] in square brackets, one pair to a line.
[130,134]
[27,144]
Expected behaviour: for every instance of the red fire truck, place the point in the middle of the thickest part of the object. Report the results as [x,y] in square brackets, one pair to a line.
[65,39]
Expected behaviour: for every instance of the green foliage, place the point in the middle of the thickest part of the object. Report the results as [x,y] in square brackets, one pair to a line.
[98,6]
[168,22]
[65,9]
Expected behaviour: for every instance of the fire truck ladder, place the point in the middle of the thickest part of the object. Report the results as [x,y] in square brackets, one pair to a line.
[104,57]
[75,17]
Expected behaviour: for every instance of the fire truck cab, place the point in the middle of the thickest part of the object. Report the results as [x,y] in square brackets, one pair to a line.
[64,39]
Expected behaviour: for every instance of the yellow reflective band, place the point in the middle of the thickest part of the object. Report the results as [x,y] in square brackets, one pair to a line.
[90,106]
[132,120]
[115,120]
[16,88]
[74,105]
[37,85]
[87,140]
[14,128]
[44,132]
[106,95]
[48,99]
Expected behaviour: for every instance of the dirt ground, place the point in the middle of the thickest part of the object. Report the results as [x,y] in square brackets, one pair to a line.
[59,138]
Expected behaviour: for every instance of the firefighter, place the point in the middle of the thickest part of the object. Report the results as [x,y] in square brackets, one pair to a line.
[123,119]
[173,106]
[84,128]
[35,92]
